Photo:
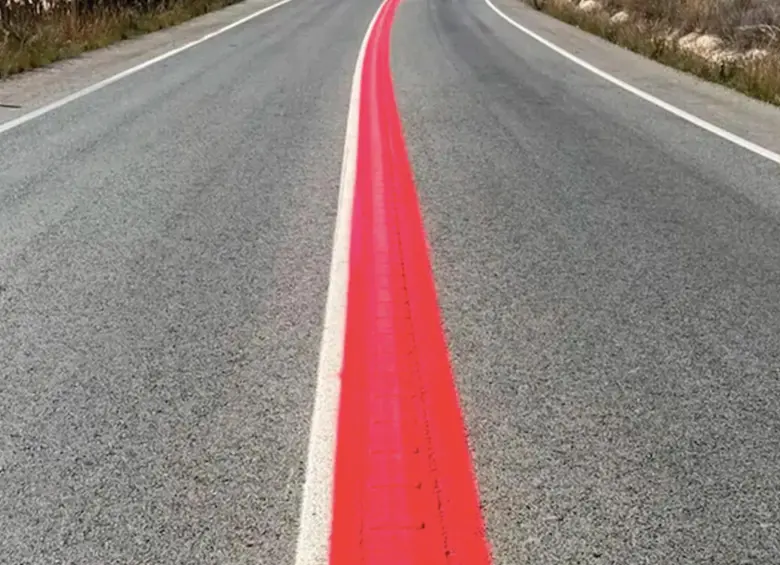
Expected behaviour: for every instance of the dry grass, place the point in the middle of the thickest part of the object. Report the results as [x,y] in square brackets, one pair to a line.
[750,23]
[31,37]
[742,24]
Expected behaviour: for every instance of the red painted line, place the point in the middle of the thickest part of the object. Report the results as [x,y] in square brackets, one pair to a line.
[404,491]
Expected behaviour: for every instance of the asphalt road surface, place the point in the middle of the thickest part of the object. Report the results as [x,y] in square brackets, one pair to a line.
[609,278]
[164,250]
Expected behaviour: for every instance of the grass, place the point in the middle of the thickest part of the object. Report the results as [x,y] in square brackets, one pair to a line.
[749,23]
[647,33]
[31,37]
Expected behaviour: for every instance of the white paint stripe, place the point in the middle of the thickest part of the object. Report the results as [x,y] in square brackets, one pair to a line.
[313,546]
[703,124]
[6,126]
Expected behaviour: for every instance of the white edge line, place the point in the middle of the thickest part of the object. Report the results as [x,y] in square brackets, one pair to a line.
[703,124]
[9,125]
[313,546]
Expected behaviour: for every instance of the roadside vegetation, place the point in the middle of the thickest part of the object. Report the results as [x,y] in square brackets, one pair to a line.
[34,33]
[732,42]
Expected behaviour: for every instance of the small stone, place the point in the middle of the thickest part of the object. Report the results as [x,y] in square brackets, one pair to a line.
[620,18]
[688,41]
[708,43]
[590,6]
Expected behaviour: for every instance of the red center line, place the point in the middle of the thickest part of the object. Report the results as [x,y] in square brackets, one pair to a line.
[404,489]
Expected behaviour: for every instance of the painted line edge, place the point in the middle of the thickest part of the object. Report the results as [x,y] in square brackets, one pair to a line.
[672,109]
[16,122]
[313,542]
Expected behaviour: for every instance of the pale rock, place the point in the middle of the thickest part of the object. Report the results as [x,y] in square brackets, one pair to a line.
[756,54]
[590,6]
[620,17]
[688,41]
[724,56]
[707,44]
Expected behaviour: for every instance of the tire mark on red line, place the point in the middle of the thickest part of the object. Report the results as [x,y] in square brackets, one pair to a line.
[404,489]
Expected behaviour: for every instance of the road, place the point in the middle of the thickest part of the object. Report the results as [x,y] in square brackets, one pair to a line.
[165,251]
[607,275]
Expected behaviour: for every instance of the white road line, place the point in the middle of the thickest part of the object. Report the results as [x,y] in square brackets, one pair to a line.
[703,124]
[16,122]
[313,545]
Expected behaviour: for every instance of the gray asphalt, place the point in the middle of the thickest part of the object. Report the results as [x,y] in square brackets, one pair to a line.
[164,255]
[610,280]
[609,276]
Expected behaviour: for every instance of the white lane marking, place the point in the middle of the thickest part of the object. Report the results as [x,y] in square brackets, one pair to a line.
[313,545]
[703,124]
[16,122]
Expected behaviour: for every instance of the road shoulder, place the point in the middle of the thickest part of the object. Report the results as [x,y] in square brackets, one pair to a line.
[28,91]
[753,120]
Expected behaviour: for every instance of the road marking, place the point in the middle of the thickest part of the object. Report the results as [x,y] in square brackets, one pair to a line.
[404,489]
[16,122]
[317,505]
[703,124]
